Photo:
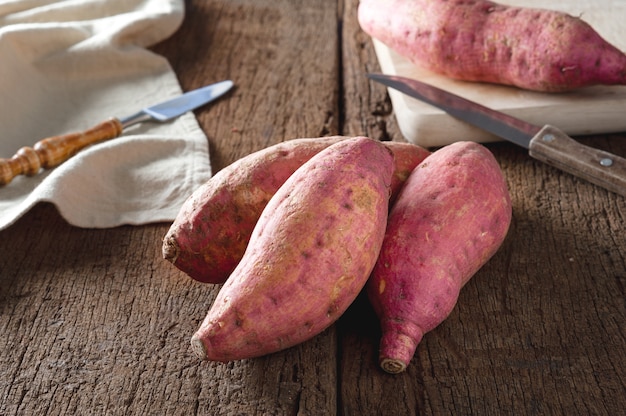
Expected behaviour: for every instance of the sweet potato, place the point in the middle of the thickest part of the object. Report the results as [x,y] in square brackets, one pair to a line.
[406,157]
[210,233]
[450,217]
[480,40]
[309,255]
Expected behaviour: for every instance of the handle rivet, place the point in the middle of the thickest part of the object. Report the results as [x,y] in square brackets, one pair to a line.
[606,162]
[548,137]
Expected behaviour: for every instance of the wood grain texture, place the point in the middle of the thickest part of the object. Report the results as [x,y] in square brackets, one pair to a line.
[95,322]
[282,57]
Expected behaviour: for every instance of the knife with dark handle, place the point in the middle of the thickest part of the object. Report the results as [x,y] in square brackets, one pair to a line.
[545,143]
[52,151]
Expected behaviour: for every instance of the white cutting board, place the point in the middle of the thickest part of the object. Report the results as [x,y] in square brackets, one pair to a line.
[598,109]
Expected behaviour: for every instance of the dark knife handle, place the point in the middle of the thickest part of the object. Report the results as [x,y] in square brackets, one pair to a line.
[557,149]
[52,151]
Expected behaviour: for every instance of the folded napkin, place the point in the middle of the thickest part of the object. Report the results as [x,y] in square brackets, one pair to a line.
[68,65]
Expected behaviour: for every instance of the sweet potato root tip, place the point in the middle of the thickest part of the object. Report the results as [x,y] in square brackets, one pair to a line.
[170,249]
[197,346]
[398,344]
[392,366]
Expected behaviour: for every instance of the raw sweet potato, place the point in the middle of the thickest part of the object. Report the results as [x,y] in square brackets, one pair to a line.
[210,233]
[450,217]
[406,157]
[484,41]
[309,255]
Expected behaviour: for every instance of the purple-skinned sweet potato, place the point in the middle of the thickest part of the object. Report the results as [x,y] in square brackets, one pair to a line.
[309,255]
[479,40]
[449,219]
[212,229]
[406,157]
[210,233]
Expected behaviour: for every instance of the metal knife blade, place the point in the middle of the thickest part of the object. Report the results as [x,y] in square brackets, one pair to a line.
[178,106]
[53,151]
[545,143]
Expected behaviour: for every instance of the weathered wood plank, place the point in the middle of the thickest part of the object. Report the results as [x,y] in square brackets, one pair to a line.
[283,58]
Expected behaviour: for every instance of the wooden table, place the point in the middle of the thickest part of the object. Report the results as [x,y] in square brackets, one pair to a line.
[96,322]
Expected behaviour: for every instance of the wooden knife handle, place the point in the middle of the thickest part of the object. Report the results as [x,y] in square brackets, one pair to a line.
[53,151]
[557,149]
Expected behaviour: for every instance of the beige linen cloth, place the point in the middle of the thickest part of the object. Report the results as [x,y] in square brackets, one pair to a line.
[68,65]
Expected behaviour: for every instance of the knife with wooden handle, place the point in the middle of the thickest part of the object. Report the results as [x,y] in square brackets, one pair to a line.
[545,143]
[52,151]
